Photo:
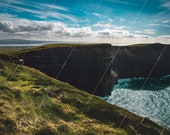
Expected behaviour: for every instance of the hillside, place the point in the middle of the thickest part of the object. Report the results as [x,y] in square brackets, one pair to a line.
[34,103]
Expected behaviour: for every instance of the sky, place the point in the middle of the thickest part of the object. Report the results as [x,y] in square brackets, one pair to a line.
[96,21]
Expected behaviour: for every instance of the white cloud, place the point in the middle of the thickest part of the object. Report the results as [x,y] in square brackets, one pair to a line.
[108,33]
[102,25]
[138,31]
[97,15]
[122,20]
[13,27]
[153,24]
[53,7]
[166,4]
[108,25]
[149,31]
[166,21]
[121,2]
[37,29]
[43,11]
[164,39]
[118,34]
[164,36]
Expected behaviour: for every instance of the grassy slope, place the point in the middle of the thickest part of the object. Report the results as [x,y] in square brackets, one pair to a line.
[31,103]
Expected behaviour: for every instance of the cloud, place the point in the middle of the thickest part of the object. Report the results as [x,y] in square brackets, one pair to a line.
[166,23]
[57,30]
[98,15]
[40,10]
[25,26]
[108,33]
[121,2]
[13,27]
[6,26]
[34,28]
[153,24]
[149,31]
[67,32]
[102,25]
[118,34]
[108,25]
[166,4]
[122,20]
[38,29]
[164,36]
[138,32]
[53,7]
[22,2]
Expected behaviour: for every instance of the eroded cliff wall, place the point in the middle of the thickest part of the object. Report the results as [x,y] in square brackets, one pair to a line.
[87,64]
[150,60]
[83,69]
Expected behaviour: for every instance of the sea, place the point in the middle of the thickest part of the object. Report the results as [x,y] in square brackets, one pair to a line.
[151,100]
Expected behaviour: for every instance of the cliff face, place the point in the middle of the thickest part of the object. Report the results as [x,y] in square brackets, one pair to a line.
[84,67]
[87,64]
[142,60]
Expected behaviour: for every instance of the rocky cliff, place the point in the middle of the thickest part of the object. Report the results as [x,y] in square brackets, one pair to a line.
[81,66]
[142,61]
[88,66]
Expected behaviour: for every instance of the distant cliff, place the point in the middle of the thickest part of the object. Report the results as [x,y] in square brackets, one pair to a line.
[142,61]
[87,63]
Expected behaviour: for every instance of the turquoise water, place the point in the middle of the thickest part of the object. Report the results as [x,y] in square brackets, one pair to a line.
[152,100]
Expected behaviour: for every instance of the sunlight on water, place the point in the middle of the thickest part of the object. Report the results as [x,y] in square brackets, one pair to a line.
[153,101]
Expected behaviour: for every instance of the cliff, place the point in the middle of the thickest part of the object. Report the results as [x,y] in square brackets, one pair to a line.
[87,64]
[83,69]
[142,60]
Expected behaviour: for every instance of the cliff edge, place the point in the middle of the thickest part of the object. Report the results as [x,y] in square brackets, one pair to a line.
[95,68]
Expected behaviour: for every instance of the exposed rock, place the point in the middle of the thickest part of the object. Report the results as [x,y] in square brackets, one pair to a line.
[96,68]
[83,69]
[142,61]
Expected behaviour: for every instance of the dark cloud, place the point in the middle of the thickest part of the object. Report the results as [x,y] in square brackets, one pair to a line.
[7,26]
[31,28]
[104,33]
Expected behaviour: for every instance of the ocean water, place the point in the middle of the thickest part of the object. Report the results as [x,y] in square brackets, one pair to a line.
[151,101]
